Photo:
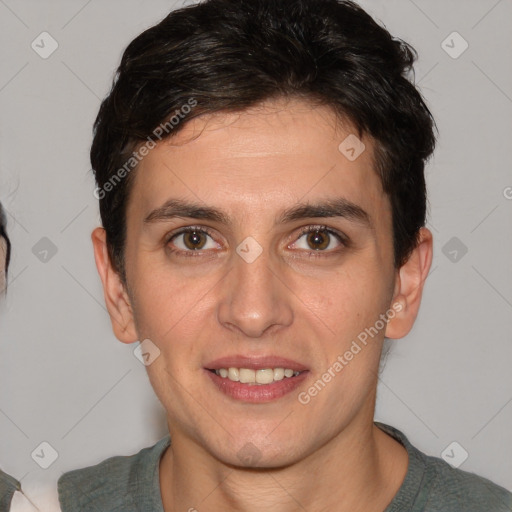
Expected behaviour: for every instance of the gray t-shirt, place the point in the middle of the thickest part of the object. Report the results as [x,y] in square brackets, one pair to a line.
[131,484]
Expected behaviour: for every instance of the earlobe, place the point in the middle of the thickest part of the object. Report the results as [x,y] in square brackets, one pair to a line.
[409,284]
[114,291]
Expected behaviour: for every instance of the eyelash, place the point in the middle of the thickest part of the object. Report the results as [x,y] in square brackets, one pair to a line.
[188,229]
[308,229]
[323,254]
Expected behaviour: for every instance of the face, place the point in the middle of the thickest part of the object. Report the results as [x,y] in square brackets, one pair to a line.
[227,268]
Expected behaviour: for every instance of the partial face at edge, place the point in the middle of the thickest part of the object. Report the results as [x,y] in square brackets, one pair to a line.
[3,258]
[306,297]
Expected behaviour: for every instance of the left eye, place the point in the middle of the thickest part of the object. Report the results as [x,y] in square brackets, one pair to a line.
[193,240]
[318,239]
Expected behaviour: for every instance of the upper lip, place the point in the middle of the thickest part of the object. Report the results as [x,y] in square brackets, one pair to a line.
[255,363]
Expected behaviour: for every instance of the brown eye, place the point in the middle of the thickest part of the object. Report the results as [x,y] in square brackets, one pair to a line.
[318,240]
[190,240]
[194,240]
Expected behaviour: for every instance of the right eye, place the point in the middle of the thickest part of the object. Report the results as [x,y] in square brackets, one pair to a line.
[191,239]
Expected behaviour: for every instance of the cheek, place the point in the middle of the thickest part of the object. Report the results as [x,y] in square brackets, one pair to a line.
[160,299]
[349,300]
[355,300]
[175,390]
[350,304]
[173,312]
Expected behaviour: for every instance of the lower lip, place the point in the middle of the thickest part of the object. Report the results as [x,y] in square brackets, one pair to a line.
[257,393]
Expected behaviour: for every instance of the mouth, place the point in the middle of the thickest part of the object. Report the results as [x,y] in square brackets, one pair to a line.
[256,380]
[252,377]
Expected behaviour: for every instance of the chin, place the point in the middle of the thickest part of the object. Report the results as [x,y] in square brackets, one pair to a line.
[258,452]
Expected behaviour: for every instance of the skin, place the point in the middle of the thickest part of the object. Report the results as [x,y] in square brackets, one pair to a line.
[289,303]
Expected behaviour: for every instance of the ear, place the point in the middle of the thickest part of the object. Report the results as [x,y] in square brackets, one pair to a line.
[116,298]
[409,283]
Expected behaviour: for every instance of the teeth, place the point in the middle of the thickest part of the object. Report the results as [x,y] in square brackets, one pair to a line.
[265,376]
[278,373]
[249,376]
[233,374]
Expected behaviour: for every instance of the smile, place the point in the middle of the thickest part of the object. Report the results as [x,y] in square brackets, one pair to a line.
[256,377]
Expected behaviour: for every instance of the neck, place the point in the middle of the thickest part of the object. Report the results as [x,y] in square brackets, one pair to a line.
[360,469]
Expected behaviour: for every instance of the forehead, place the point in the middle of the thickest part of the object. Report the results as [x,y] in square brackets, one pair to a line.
[261,160]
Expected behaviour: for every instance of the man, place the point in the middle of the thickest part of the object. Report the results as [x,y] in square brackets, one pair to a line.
[5,250]
[8,484]
[13,497]
[260,172]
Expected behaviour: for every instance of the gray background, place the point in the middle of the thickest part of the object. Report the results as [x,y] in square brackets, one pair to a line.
[66,380]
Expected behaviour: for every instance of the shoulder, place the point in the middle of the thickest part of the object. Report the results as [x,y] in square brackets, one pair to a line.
[433,485]
[455,489]
[117,483]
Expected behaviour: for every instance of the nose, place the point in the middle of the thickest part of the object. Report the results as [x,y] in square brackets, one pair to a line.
[254,298]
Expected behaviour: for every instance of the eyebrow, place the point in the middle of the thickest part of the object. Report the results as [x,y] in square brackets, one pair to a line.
[339,207]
